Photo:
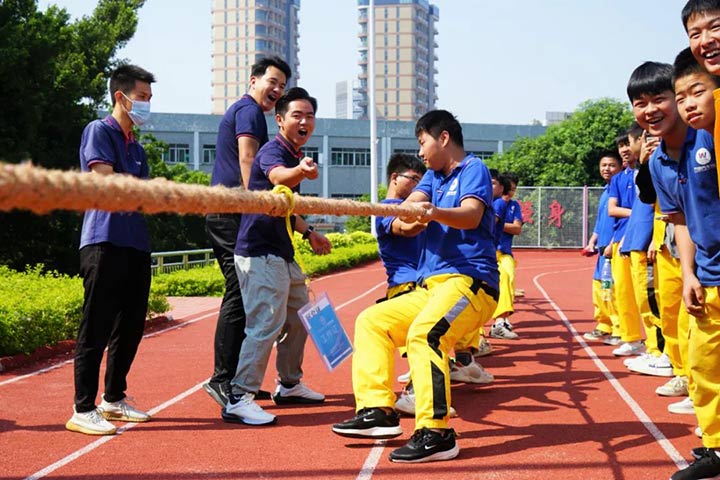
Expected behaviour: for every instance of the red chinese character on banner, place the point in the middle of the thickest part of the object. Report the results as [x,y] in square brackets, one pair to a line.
[527,211]
[556,212]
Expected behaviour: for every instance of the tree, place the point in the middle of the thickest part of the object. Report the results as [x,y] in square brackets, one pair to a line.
[362,223]
[53,75]
[567,153]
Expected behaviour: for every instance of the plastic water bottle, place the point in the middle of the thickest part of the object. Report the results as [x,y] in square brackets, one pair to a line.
[606,280]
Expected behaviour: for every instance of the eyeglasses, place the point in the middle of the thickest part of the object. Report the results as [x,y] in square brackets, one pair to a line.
[414,178]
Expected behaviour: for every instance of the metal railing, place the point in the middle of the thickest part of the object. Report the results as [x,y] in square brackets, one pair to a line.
[166,262]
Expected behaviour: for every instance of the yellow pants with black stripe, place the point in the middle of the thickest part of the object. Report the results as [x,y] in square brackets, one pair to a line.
[506,266]
[645,298]
[703,361]
[605,313]
[673,316]
[628,315]
[429,321]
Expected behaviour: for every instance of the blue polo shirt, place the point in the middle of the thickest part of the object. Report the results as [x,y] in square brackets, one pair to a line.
[622,188]
[263,234]
[696,195]
[604,223]
[400,255]
[639,230]
[468,252]
[103,141]
[244,118]
[514,212]
[500,206]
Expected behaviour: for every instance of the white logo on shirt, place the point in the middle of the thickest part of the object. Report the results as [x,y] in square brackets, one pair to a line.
[702,156]
[453,187]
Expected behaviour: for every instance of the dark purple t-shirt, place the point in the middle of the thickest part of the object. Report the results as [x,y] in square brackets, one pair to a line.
[262,234]
[244,118]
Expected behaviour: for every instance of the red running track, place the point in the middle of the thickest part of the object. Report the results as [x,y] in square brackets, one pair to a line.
[557,407]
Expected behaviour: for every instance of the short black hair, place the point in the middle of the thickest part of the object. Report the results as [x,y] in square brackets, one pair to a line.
[686,64]
[123,78]
[494,173]
[650,78]
[512,177]
[635,130]
[435,122]
[261,66]
[504,180]
[611,154]
[622,138]
[295,93]
[698,7]
[402,162]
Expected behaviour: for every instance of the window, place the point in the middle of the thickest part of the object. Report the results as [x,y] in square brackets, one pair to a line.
[312,152]
[208,154]
[358,157]
[483,155]
[408,151]
[177,153]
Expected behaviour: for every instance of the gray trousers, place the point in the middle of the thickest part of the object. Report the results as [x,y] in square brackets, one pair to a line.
[272,290]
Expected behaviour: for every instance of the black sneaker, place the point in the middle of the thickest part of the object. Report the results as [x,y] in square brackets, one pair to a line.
[707,466]
[218,391]
[370,423]
[427,446]
[698,452]
[263,395]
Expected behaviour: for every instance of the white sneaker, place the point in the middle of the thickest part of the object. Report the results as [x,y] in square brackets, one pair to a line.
[503,329]
[651,365]
[472,373]
[629,348]
[298,394]
[404,378]
[90,423]
[684,406]
[630,360]
[484,348]
[698,432]
[122,410]
[406,405]
[245,410]
[675,387]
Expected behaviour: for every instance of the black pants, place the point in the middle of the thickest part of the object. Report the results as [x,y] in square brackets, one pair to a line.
[117,285]
[222,229]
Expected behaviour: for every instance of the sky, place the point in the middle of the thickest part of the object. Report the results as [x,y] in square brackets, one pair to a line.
[500,61]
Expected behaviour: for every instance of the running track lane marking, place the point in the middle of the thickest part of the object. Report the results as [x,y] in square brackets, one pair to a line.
[627,398]
[368,467]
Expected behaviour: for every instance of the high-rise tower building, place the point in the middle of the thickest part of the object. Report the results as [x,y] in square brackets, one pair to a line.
[243,31]
[405,58]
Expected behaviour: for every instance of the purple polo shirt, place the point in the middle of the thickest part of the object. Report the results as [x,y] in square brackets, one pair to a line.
[103,141]
[244,118]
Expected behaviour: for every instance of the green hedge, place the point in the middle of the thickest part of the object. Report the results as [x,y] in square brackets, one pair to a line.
[40,308]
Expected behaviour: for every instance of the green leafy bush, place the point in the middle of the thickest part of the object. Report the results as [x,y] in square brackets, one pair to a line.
[42,308]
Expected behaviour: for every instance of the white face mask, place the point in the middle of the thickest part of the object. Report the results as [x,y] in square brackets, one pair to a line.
[140,111]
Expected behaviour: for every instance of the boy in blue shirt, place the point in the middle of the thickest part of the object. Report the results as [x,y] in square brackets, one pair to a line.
[271,282]
[114,262]
[605,312]
[507,228]
[457,288]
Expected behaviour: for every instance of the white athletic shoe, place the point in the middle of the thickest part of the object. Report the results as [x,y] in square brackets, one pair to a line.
[629,348]
[245,410]
[122,410]
[404,378]
[503,329]
[698,432]
[651,365]
[90,423]
[484,348]
[406,405]
[472,373]
[684,407]
[630,360]
[675,387]
[297,394]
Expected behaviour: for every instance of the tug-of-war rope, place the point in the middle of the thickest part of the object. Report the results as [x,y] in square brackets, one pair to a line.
[28,187]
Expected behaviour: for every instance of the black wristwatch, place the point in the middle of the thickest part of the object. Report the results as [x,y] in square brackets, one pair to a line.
[307,233]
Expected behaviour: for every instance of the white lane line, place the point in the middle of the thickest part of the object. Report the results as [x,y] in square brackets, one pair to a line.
[103,440]
[660,438]
[65,362]
[369,465]
[372,460]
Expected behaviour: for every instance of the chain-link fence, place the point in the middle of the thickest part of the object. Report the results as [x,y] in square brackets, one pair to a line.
[557,217]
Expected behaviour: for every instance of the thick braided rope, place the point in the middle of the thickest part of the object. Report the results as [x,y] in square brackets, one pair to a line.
[39,190]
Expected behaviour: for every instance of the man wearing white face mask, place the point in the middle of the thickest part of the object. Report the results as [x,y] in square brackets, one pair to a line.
[114,262]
